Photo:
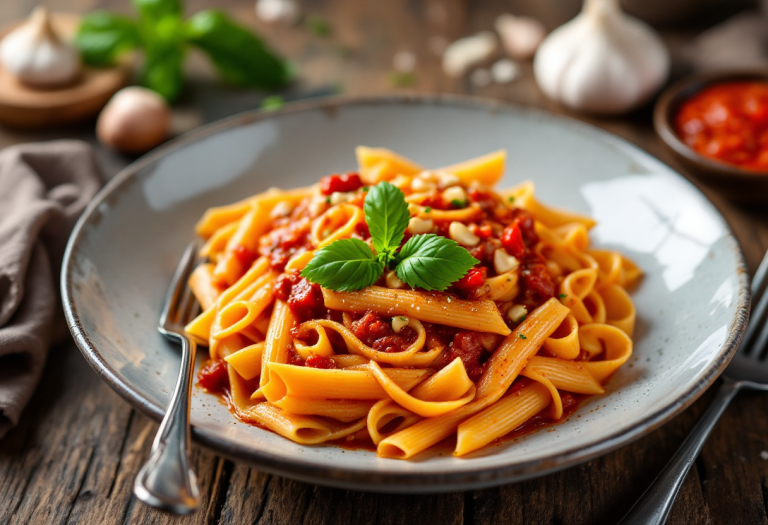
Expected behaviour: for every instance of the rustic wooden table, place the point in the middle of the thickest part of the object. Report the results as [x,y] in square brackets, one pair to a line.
[74,456]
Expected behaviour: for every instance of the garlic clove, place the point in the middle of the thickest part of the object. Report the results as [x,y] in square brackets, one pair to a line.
[505,71]
[520,35]
[36,56]
[602,61]
[460,56]
[134,120]
[278,12]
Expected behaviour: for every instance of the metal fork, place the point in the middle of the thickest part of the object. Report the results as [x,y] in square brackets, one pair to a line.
[166,481]
[748,369]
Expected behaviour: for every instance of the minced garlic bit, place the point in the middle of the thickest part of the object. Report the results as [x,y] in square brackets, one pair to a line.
[393,281]
[504,262]
[399,322]
[417,225]
[517,313]
[340,197]
[455,193]
[281,209]
[445,179]
[462,235]
[420,185]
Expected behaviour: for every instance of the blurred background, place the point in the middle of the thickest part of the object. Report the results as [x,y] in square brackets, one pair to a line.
[362,47]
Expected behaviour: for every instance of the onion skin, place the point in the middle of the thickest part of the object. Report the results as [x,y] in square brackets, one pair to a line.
[135,120]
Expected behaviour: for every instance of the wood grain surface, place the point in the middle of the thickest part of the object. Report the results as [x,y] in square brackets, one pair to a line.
[74,456]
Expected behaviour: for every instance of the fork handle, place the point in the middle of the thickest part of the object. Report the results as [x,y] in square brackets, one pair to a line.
[166,481]
[654,505]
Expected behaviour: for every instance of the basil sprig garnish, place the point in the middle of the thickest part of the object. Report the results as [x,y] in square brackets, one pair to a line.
[427,261]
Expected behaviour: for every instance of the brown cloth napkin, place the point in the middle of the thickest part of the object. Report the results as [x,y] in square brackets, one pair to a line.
[43,189]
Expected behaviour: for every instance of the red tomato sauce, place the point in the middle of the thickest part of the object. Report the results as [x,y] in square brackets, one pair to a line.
[728,122]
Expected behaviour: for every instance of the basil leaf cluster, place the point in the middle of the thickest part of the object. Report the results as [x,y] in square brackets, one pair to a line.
[160,31]
[426,261]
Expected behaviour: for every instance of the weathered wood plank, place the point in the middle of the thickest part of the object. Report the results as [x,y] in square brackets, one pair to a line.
[74,456]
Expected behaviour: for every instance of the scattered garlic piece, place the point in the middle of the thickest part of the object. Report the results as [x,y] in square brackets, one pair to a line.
[520,35]
[455,193]
[393,281]
[340,197]
[399,322]
[463,54]
[445,179]
[278,12]
[281,209]
[481,78]
[35,55]
[421,185]
[427,175]
[135,120]
[462,235]
[505,71]
[504,262]
[417,225]
[517,313]
[404,62]
[603,61]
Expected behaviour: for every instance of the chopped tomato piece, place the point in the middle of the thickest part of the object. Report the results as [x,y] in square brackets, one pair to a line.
[214,376]
[343,182]
[305,299]
[473,280]
[512,240]
[244,254]
[319,361]
[468,346]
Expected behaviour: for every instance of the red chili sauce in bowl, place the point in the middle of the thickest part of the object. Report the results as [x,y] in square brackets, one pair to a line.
[728,122]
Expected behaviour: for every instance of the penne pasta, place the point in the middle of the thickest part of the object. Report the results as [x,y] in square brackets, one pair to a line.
[314,302]
[482,316]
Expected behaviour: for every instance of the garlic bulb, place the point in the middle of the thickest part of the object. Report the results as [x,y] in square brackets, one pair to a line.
[36,55]
[602,61]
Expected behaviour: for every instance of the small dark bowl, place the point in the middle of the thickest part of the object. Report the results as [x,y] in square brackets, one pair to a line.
[734,182]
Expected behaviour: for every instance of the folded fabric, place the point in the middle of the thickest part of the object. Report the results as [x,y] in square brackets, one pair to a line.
[43,189]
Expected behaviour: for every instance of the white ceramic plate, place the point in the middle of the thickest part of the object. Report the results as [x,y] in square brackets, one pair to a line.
[692,303]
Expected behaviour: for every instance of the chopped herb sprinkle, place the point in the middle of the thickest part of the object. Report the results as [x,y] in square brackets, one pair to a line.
[428,209]
[511,199]
[327,200]
[456,203]
[563,296]
[522,336]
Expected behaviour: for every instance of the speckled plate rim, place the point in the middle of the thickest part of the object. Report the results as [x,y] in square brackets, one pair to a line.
[380,481]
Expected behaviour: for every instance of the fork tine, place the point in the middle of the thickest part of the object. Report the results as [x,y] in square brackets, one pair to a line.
[760,275]
[759,308]
[755,320]
[185,304]
[178,283]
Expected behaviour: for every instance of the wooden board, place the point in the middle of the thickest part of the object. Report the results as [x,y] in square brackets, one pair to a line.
[29,108]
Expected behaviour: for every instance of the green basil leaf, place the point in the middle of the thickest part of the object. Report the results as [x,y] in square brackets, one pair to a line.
[344,265]
[433,262]
[241,57]
[154,10]
[386,213]
[163,70]
[102,36]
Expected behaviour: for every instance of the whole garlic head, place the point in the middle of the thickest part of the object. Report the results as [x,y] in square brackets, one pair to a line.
[602,61]
[36,55]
